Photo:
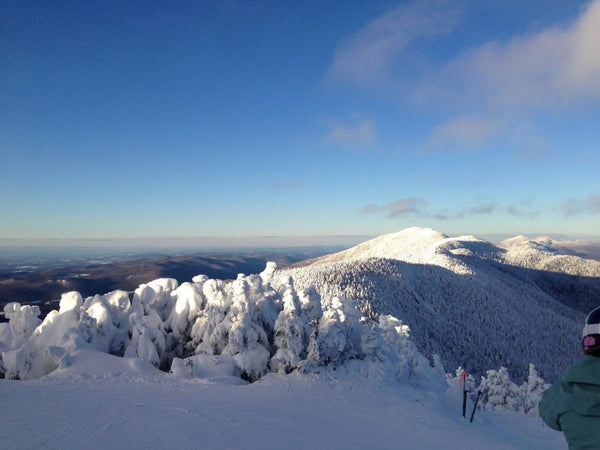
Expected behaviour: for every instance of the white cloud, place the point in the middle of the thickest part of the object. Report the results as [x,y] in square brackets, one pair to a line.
[398,208]
[582,71]
[556,67]
[368,56]
[488,91]
[362,134]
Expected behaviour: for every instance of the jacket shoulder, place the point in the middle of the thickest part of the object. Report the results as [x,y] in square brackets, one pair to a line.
[585,370]
[551,406]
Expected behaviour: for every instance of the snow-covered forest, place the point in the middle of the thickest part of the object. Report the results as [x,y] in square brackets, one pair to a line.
[244,328]
[476,304]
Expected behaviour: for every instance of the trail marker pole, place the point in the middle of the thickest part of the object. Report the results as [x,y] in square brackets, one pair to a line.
[463,382]
[475,406]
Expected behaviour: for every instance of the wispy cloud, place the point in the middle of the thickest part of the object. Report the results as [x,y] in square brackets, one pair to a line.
[556,67]
[524,208]
[362,134]
[478,209]
[464,131]
[481,209]
[507,83]
[367,57]
[286,185]
[576,206]
[573,207]
[486,92]
[594,203]
[398,208]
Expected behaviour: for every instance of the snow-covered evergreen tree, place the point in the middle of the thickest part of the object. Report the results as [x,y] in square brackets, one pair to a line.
[533,390]
[246,342]
[499,392]
[339,332]
[209,331]
[23,320]
[151,304]
[290,338]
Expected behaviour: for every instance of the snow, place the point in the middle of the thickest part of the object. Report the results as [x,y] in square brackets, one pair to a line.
[578,257]
[103,401]
[418,246]
[426,246]
[314,357]
[467,292]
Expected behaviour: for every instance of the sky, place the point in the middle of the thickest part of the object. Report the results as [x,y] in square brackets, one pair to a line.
[234,120]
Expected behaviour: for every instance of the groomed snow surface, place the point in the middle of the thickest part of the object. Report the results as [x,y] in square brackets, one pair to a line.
[103,401]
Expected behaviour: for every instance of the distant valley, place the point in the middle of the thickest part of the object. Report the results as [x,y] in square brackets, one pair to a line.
[42,281]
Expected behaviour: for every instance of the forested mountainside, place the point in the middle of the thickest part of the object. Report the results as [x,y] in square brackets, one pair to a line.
[476,304]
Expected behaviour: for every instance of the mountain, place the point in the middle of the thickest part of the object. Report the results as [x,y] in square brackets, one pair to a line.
[580,247]
[234,352]
[475,304]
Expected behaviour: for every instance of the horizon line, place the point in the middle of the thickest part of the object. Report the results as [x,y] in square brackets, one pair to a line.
[261,241]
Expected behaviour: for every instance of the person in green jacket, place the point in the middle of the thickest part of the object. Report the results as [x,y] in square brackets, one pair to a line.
[572,405]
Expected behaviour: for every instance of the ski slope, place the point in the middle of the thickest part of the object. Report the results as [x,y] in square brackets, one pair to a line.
[103,401]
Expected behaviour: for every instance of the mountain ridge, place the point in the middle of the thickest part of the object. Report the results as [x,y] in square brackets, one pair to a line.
[474,303]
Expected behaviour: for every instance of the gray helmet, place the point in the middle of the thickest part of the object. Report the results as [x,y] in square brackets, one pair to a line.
[591,333]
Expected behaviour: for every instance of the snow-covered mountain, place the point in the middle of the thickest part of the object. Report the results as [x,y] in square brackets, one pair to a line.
[476,304]
[580,247]
[342,344]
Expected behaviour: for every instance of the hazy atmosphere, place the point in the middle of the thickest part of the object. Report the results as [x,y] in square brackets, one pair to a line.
[216,120]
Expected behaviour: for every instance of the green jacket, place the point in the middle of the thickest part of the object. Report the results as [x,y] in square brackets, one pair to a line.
[573,404]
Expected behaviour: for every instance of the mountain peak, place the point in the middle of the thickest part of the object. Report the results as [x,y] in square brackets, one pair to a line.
[416,245]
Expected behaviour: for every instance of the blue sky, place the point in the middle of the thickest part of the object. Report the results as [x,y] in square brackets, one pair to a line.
[228,119]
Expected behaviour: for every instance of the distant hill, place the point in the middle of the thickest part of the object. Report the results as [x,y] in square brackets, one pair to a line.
[582,248]
[476,304]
